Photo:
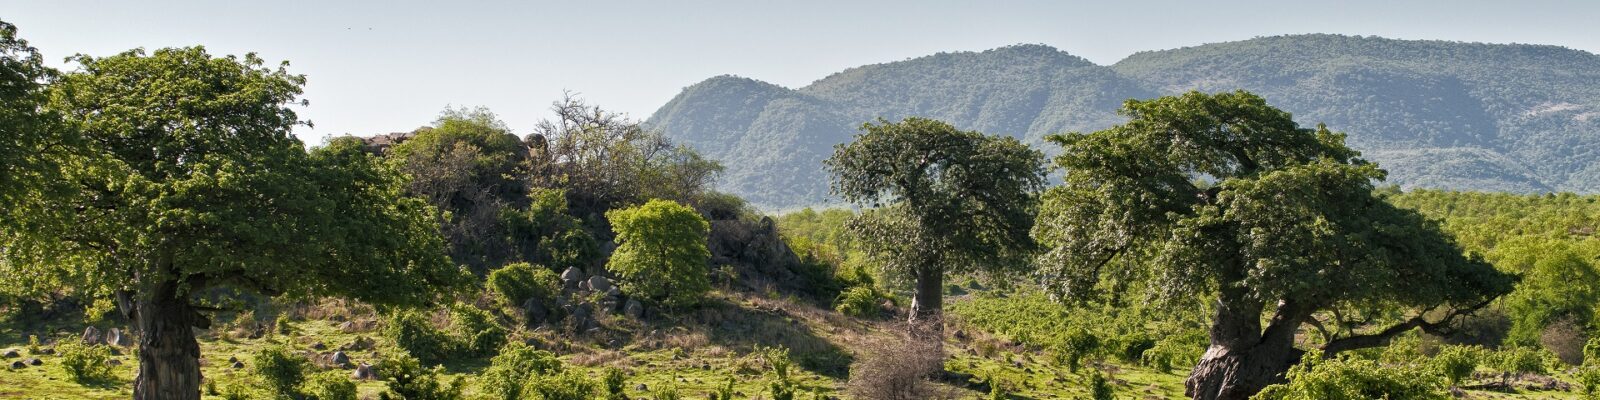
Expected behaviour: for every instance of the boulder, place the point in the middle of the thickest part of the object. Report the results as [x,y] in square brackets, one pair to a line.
[10,353]
[363,372]
[360,343]
[319,346]
[641,387]
[600,284]
[535,311]
[340,359]
[238,365]
[118,337]
[34,362]
[18,365]
[233,359]
[570,278]
[91,335]
[633,309]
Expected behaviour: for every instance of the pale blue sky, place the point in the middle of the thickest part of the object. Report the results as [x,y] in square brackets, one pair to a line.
[379,66]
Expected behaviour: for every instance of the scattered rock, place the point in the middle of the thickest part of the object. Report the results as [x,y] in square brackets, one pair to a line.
[238,365]
[319,346]
[113,362]
[233,359]
[360,343]
[340,359]
[118,337]
[11,353]
[18,365]
[535,311]
[641,387]
[363,372]
[34,362]
[570,278]
[600,284]
[633,309]
[91,335]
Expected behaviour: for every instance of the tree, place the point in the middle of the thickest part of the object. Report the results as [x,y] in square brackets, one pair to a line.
[661,253]
[947,200]
[468,164]
[1222,195]
[189,182]
[32,141]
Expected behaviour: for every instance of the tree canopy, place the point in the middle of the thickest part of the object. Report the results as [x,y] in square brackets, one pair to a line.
[661,253]
[1223,194]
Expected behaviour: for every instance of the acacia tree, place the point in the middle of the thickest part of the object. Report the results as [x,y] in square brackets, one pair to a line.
[189,181]
[1224,196]
[946,201]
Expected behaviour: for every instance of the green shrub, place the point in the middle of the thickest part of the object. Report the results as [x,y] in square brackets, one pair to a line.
[476,330]
[517,283]
[33,345]
[782,386]
[667,391]
[1456,363]
[1349,378]
[85,363]
[409,380]
[724,392]
[329,385]
[284,326]
[281,370]
[1589,378]
[858,301]
[1519,360]
[509,370]
[615,382]
[1077,344]
[569,385]
[412,331]
[661,253]
[1100,388]
[1131,346]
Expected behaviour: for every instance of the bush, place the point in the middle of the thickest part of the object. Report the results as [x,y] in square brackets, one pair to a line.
[569,385]
[509,370]
[1348,378]
[1519,360]
[409,380]
[85,363]
[1589,377]
[330,385]
[782,386]
[858,301]
[516,283]
[1099,387]
[895,369]
[1566,340]
[284,326]
[661,254]
[281,370]
[412,331]
[1077,344]
[615,382]
[1456,363]
[724,392]
[475,330]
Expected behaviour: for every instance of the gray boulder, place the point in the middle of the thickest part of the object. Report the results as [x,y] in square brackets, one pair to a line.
[363,372]
[633,309]
[18,365]
[91,335]
[340,359]
[238,365]
[118,337]
[10,353]
[570,278]
[34,362]
[600,284]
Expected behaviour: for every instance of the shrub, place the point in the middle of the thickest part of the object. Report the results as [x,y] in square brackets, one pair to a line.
[1316,378]
[330,385]
[661,254]
[858,301]
[281,370]
[412,331]
[1099,387]
[409,380]
[1131,346]
[85,363]
[33,345]
[517,283]
[782,386]
[670,391]
[1456,363]
[724,392]
[476,330]
[1519,360]
[284,326]
[1566,340]
[569,385]
[895,369]
[509,370]
[1589,377]
[1077,344]
[615,382]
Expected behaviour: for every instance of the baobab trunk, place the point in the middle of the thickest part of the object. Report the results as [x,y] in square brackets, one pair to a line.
[928,303]
[169,356]
[1243,359]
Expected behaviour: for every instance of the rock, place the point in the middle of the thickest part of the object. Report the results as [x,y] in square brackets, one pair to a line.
[583,317]
[118,337]
[360,343]
[10,353]
[600,284]
[535,311]
[633,309]
[232,360]
[113,362]
[570,278]
[641,387]
[358,326]
[238,365]
[34,362]
[319,346]
[91,335]
[363,372]
[18,365]
[340,359]
[583,285]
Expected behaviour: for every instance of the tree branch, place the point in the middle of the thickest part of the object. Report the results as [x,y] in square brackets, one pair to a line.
[1383,337]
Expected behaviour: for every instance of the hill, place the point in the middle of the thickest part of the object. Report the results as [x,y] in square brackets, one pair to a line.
[1436,114]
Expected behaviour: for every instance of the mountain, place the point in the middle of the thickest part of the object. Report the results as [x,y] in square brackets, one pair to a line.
[1436,114]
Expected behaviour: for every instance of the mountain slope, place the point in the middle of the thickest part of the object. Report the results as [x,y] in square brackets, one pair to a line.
[1470,116]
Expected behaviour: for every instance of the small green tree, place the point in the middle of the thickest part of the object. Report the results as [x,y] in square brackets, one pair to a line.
[511,369]
[282,370]
[1456,363]
[947,201]
[662,252]
[409,380]
[518,282]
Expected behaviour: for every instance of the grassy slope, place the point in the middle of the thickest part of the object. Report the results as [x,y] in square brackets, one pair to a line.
[695,352]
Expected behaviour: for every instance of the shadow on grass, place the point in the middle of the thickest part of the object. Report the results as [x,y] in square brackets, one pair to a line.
[749,329]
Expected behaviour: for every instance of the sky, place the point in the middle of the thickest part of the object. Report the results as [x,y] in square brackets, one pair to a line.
[387,66]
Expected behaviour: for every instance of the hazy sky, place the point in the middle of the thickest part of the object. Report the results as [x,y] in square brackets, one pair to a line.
[383,66]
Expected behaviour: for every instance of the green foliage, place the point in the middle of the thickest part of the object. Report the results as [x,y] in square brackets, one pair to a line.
[83,363]
[475,330]
[519,282]
[282,370]
[414,332]
[782,386]
[1589,378]
[1518,360]
[1077,344]
[1560,285]
[1316,378]
[661,254]
[668,391]
[546,232]
[724,392]
[1456,363]
[511,369]
[409,380]
[569,385]
[604,160]
[615,381]
[936,187]
[860,302]
[330,385]
[1099,387]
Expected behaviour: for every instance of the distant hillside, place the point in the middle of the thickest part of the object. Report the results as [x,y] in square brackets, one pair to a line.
[1470,116]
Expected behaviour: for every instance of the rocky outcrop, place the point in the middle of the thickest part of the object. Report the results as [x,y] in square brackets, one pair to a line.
[756,252]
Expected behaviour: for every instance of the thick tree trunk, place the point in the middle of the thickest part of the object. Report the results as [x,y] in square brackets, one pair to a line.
[929,300]
[169,356]
[1242,358]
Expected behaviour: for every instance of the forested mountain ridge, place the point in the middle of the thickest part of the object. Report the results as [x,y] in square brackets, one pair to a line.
[1436,114]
